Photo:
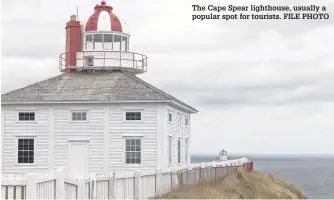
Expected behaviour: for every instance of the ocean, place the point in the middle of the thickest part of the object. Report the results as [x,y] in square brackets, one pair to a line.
[314,175]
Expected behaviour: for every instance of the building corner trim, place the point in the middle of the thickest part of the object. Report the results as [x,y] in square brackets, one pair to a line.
[106,150]
[51,139]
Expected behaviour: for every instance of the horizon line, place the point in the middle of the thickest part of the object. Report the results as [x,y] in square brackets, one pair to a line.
[267,154]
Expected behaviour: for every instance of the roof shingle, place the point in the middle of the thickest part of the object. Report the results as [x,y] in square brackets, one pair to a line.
[83,86]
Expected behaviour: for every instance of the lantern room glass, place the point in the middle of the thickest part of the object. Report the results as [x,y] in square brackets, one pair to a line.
[106,42]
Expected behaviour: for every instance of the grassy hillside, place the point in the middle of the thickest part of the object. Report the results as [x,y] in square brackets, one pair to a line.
[243,185]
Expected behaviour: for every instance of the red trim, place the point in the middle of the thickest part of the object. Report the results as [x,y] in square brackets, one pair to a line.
[92,22]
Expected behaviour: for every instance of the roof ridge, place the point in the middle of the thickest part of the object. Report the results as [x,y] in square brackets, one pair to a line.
[168,96]
[62,74]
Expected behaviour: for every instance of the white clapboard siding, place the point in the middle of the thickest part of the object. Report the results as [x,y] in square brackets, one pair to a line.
[92,129]
[105,129]
[13,128]
[177,131]
[147,130]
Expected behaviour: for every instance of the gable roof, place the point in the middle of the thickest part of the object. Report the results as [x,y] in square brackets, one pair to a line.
[116,86]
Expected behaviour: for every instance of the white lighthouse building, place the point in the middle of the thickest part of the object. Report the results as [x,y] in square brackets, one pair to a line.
[96,116]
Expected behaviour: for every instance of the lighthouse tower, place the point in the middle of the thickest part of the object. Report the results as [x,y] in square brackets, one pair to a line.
[99,45]
[97,116]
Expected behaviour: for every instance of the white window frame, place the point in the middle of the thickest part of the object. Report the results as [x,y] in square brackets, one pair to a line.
[170,113]
[17,149]
[26,111]
[124,151]
[79,121]
[79,111]
[179,119]
[133,110]
[179,151]
[170,149]
[186,119]
[85,42]
[113,33]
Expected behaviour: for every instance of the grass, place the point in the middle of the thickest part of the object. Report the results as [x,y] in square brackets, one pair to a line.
[242,185]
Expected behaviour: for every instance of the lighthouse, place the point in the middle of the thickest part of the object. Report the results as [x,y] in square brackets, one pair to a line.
[96,116]
[99,44]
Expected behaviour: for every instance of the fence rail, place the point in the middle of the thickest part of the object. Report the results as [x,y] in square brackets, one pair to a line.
[131,185]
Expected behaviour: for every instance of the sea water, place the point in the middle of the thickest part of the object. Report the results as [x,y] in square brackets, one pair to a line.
[314,175]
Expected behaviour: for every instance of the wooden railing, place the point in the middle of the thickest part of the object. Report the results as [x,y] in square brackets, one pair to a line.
[122,185]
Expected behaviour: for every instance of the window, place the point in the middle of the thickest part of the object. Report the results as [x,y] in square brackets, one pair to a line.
[97,41]
[170,143]
[89,42]
[186,122]
[186,149]
[79,116]
[133,151]
[133,116]
[170,117]
[26,116]
[25,152]
[126,43]
[178,118]
[178,151]
[117,43]
[107,41]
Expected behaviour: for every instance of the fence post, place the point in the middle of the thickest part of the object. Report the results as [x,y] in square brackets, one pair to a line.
[214,169]
[157,180]
[81,188]
[181,178]
[137,185]
[188,170]
[171,178]
[200,171]
[60,184]
[112,186]
[31,187]
[93,186]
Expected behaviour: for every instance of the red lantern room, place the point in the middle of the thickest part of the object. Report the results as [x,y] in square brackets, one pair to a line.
[103,19]
[99,44]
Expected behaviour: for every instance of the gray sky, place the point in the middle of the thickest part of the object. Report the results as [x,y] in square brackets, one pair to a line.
[261,86]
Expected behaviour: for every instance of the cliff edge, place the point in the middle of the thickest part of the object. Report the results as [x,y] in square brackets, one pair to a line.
[242,185]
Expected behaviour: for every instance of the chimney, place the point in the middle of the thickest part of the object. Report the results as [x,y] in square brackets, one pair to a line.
[73,42]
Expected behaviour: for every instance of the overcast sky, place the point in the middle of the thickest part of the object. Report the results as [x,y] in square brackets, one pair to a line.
[260,86]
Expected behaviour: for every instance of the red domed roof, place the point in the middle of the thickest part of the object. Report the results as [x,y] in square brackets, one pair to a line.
[103,19]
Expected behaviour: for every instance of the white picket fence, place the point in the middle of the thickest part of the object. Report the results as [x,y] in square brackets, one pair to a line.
[121,185]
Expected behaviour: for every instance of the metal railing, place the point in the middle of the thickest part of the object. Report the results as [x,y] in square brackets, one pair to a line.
[105,60]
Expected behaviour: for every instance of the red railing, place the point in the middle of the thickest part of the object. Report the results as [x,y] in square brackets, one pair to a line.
[105,60]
